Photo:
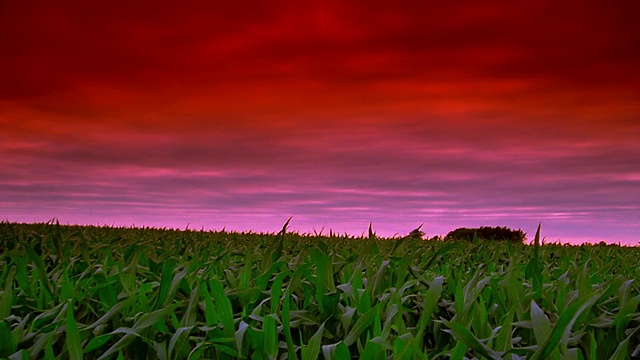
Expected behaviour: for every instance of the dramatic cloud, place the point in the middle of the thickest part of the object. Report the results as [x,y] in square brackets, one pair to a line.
[219,115]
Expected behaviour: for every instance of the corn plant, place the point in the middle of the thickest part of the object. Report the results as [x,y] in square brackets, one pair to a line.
[112,293]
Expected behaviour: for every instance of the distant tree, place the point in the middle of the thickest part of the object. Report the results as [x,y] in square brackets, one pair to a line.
[486,233]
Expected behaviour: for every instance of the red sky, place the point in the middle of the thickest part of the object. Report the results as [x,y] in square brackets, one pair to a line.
[219,114]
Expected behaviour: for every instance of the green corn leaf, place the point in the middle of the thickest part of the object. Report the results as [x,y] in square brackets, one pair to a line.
[459,301]
[503,340]
[173,287]
[459,351]
[121,344]
[592,347]
[534,267]
[312,350]
[373,351]
[48,317]
[622,351]
[377,278]
[22,277]
[210,312]
[223,305]
[269,326]
[97,342]
[625,314]
[342,352]
[463,335]
[42,272]
[398,243]
[262,281]
[361,325]
[562,328]
[337,351]
[7,345]
[148,320]
[180,335]
[165,283]
[276,290]
[48,350]
[541,325]
[441,251]
[73,335]
[432,296]
[480,320]
[189,317]
[239,336]
[286,324]
[115,310]
[66,287]
[226,350]
[198,350]
[283,231]
[392,311]
[6,298]
[161,350]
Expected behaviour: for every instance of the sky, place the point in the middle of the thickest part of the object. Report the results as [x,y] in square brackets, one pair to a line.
[231,115]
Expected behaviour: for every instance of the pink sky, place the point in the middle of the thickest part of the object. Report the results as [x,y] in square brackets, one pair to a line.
[225,115]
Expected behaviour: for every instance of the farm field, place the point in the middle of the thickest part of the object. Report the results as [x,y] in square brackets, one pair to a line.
[117,293]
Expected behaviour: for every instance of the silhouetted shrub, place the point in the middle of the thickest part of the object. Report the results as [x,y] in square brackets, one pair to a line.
[486,233]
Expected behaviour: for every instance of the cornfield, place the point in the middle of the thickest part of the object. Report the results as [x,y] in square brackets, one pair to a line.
[115,293]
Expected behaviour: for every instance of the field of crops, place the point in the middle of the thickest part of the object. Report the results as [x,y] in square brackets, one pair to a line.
[118,293]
